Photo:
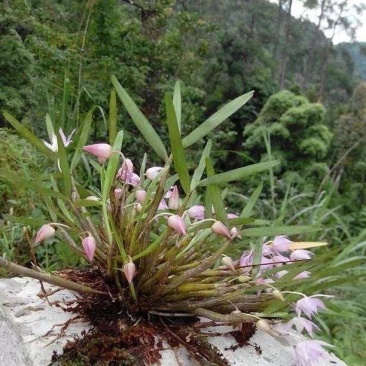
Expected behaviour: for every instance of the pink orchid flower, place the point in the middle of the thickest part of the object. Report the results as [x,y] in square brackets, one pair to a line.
[309,352]
[309,305]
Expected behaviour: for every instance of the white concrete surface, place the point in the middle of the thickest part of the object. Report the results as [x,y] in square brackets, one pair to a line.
[30,332]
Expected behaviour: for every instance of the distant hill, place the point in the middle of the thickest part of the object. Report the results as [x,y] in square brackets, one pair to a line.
[357,52]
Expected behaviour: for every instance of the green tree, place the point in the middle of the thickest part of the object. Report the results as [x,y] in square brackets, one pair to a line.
[297,131]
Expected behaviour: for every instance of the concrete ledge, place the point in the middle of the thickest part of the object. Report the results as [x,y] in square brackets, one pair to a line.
[31,329]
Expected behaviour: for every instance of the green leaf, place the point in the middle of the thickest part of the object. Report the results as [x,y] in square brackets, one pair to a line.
[216,119]
[215,196]
[49,127]
[112,117]
[177,102]
[197,175]
[239,173]
[65,101]
[179,157]
[247,210]
[112,167]
[64,165]
[83,138]
[278,230]
[29,136]
[140,121]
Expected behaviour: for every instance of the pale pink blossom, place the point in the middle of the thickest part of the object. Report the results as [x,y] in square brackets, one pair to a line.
[125,171]
[151,173]
[263,281]
[129,269]
[177,223]
[89,245]
[101,151]
[234,233]
[300,324]
[45,232]
[266,263]
[173,201]
[300,254]
[196,212]
[232,216]
[246,259]
[309,305]
[308,352]
[134,180]
[220,229]
[302,275]
[117,193]
[140,195]
[280,274]
[267,250]
[281,243]
[278,260]
[163,205]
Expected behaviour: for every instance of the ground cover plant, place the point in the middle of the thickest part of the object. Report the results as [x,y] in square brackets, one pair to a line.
[157,239]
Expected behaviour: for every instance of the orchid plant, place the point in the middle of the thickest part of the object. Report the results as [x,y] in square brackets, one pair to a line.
[163,234]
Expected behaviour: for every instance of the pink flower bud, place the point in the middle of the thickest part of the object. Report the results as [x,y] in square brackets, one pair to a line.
[234,233]
[135,180]
[129,269]
[140,195]
[173,202]
[89,246]
[126,170]
[300,254]
[45,232]
[232,216]
[162,205]
[196,212]
[151,173]
[117,193]
[281,243]
[101,151]
[219,228]
[177,223]
[302,275]
[228,262]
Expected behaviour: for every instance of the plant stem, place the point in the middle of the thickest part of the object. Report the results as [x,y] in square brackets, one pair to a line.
[48,277]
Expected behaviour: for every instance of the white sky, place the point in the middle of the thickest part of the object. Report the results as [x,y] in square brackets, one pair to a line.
[341,36]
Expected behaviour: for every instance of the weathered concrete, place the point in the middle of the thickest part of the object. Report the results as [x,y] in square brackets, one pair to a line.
[30,331]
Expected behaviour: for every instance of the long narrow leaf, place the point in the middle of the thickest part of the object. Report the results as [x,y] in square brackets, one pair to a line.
[216,119]
[29,136]
[215,196]
[179,156]
[197,175]
[239,173]
[112,117]
[64,165]
[247,210]
[177,102]
[83,138]
[140,121]
[278,230]
[112,167]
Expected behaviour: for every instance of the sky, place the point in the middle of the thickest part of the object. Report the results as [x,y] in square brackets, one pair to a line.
[298,10]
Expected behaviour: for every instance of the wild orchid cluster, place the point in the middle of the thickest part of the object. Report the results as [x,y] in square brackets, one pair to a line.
[180,232]
[162,234]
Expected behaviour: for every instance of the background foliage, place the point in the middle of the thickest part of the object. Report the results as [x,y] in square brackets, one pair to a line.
[308,109]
